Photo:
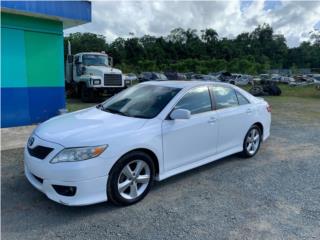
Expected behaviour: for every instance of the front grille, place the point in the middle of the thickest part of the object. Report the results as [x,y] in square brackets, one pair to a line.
[113,80]
[40,152]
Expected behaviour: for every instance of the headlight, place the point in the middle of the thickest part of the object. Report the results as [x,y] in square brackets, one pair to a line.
[128,82]
[96,81]
[78,154]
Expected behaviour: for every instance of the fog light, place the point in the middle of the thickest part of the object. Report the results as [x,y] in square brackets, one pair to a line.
[68,191]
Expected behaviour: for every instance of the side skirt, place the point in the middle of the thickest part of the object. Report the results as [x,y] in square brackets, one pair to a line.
[198,163]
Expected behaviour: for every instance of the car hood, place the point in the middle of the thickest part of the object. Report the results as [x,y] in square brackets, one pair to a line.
[102,69]
[88,127]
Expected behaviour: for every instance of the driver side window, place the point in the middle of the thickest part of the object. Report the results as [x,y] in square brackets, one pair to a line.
[197,100]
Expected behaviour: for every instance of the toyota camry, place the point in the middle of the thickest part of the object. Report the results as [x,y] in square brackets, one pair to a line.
[148,132]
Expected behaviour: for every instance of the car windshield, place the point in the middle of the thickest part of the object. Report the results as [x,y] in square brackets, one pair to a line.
[96,60]
[141,101]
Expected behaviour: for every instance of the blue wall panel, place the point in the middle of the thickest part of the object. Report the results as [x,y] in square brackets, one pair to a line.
[45,102]
[24,106]
[14,107]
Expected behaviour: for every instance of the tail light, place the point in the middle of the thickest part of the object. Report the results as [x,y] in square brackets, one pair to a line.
[269,108]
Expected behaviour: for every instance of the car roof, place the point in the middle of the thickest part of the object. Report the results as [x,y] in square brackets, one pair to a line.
[92,53]
[183,84]
[186,85]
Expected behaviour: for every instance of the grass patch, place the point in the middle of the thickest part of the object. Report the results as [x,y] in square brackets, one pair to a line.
[77,104]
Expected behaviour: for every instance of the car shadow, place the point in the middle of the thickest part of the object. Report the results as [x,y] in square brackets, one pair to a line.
[192,172]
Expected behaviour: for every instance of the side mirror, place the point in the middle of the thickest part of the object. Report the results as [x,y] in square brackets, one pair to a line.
[110,61]
[83,70]
[180,114]
[70,58]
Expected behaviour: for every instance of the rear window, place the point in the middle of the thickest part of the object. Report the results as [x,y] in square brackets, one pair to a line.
[242,99]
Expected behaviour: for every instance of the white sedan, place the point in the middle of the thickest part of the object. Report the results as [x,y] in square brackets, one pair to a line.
[148,132]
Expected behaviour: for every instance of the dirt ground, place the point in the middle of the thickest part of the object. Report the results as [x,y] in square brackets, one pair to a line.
[275,195]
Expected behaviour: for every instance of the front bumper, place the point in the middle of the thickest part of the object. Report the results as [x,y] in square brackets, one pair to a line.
[87,192]
[89,177]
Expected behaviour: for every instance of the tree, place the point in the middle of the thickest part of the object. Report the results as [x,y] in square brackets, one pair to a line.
[85,42]
[184,50]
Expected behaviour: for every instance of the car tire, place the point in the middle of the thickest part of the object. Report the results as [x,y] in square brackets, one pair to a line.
[252,142]
[87,94]
[124,189]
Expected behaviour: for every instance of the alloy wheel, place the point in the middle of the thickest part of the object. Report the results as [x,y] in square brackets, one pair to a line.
[253,141]
[134,179]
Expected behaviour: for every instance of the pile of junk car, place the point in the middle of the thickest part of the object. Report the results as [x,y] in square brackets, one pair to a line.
[305,80]
[265,87]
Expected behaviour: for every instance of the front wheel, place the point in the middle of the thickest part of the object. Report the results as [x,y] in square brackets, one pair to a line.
[252,141]
[88,95]
[130,179]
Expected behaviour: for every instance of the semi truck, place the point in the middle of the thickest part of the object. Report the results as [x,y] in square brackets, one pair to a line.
[91,75]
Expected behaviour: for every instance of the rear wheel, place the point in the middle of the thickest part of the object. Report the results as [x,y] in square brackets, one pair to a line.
[130,179]
[252,141]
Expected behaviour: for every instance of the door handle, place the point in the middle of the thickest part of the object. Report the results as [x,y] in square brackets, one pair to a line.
[212,120]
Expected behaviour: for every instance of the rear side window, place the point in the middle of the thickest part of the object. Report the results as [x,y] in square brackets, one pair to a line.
[224,97]
[197,100]
[241,99]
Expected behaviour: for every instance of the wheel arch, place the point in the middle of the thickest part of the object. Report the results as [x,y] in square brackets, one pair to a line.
[148,152]
[260,126]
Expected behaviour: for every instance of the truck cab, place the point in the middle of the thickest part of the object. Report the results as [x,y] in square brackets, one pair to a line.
[90,75]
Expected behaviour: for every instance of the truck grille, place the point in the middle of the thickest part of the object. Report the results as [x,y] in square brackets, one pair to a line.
[112,80]
[40,152]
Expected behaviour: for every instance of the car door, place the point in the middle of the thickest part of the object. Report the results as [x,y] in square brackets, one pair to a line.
[233,117]
[190,140]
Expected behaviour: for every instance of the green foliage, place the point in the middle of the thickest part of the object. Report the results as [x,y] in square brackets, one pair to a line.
[185,51]
[85,42]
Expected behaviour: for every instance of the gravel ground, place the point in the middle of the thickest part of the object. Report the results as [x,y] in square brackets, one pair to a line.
[275,195]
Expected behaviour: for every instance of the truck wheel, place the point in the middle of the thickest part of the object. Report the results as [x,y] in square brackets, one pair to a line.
[88,95]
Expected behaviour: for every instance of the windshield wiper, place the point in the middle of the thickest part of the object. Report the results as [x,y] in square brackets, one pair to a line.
[99,106]
[114,111]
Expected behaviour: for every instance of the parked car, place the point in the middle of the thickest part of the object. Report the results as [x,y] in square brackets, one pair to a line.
[130,79]
[203,77]
[188,75]
[148,132]
[275,78]
[264,77]
[161,77]
[225,77]
[241,79]
[175,76]
[316,78]
[302,80]
[286,80]
[152,76]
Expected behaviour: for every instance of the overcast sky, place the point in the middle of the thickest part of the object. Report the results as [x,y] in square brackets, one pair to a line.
[294,19]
